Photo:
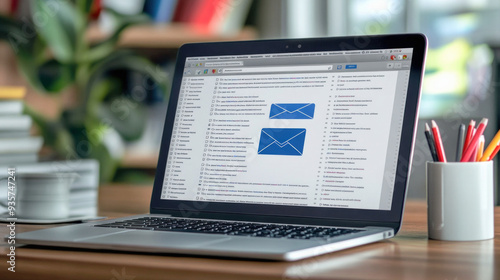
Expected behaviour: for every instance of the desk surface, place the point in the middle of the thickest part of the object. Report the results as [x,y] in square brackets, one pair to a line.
[410,255]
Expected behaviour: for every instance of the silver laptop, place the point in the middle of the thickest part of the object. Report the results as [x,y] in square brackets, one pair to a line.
[276,149]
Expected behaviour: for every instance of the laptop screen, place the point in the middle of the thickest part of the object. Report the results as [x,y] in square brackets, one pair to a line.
[318,129]
[300,129]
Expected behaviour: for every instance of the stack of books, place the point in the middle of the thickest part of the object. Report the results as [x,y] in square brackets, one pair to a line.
[19,150]
[16,143]
[83,193]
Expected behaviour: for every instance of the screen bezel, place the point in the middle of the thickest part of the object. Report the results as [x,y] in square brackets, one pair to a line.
[189,208]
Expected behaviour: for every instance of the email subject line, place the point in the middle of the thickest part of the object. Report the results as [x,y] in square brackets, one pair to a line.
[354,149]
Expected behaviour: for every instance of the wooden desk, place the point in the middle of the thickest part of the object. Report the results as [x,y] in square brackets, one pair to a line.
[410,255]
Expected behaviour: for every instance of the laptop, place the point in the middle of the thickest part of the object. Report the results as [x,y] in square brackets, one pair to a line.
[276,149]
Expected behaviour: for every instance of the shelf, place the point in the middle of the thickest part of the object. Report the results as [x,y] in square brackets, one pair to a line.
[166,36]
[133,160]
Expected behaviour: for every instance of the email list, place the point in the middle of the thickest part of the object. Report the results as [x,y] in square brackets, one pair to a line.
[233,131]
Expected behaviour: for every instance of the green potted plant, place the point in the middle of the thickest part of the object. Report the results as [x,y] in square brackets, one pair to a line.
[54,54]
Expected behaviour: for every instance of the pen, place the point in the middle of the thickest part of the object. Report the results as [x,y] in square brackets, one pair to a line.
[474,141]
[439,143]
[460,141]
[491,147]
[480,148]
[468,135]
[430,142]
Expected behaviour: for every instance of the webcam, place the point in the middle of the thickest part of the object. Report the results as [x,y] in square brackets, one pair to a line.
[298,46]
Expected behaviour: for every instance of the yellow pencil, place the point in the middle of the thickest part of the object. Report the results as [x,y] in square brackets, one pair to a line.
[491,147]
[480,148]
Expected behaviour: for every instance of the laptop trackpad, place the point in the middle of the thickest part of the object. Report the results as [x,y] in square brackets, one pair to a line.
[157,239]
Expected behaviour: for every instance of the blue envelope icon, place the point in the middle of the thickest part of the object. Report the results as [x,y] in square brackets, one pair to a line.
[282,141]
[292,111]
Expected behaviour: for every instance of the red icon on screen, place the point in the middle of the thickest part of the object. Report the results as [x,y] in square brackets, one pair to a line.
[213,71]
[393,57]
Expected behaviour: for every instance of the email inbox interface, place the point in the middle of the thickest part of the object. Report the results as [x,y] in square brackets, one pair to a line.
[320,139]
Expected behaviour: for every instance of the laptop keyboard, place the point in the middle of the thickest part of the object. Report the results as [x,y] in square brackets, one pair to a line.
[230,228]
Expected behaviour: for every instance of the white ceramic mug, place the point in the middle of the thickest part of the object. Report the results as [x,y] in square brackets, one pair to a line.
[43,195]
[460,198]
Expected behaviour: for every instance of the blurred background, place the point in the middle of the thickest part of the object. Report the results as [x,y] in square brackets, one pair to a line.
[97,73]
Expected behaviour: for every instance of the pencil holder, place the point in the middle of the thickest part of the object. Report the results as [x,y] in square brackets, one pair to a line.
[460,197]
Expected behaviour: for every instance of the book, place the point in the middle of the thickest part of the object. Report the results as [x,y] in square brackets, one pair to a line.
[207,14]
[160,11]
[16,158]
[184,9]
[88,169]
[85,197]
[107,22]
[12,92]
[235,18]
[84,188]
[15,122]
[16,144]
[14,133]
[213,16]
[83,202]
[11,107]
[31,144]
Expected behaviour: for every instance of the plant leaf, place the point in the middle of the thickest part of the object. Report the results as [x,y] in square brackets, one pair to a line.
[99,92]
[55,76]
[60,25]
[84,6]
[123,59]
[43,124]
[107,46]
[107,164]
[53,132]
[26,45]
[97,138]
[125,115]
[64,143]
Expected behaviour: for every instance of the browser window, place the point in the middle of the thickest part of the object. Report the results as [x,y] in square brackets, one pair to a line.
[318,129]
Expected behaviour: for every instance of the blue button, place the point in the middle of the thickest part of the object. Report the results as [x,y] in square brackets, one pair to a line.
[351,66]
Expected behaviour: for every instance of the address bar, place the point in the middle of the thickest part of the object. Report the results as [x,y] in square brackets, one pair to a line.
[278,69]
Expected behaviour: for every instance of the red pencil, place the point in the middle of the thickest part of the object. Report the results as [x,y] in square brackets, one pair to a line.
[469,134]
[473,142]
[438,142]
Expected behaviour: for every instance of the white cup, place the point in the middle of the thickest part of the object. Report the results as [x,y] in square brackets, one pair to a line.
[460,197]
[43,195]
